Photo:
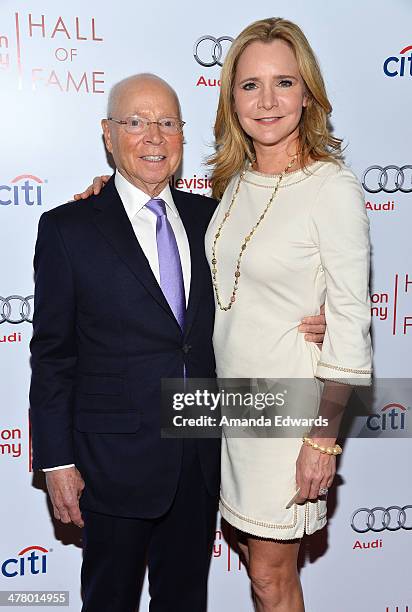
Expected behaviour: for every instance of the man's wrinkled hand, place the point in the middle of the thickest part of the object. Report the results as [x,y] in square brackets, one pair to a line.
[314,327]
[65,487]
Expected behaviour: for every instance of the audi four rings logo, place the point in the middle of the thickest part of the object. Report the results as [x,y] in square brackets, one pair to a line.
[378,519]
[208,51]
[388,179]
[16,309]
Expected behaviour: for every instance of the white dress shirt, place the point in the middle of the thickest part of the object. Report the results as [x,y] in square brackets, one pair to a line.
[144,226]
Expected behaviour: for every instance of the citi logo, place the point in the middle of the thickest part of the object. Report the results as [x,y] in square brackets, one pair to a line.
[30,560]
[391,417]
[23,189]
[395,66]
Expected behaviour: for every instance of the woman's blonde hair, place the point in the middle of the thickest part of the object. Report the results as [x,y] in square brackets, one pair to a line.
[233,145]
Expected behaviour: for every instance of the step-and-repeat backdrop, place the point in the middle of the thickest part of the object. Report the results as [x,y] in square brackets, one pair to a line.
[58,61]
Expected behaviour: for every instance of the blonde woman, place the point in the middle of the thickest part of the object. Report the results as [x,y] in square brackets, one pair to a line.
[290,232]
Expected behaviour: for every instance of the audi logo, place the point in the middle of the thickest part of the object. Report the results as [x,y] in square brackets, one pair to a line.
[388,179]
[378,519]
[211,48]
[16,309]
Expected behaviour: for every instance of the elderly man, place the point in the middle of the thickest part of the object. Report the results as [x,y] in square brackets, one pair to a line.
[123,299]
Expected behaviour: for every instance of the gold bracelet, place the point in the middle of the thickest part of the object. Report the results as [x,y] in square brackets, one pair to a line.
[328,450]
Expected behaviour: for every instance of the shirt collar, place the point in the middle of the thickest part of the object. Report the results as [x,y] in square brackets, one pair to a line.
[134,199]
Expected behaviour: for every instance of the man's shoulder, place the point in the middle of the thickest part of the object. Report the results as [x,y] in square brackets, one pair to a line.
[76,211]
[70,209]
[79,209]
[203,205]
[71,215]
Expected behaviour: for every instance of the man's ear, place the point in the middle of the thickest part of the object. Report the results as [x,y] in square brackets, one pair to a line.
[106,134]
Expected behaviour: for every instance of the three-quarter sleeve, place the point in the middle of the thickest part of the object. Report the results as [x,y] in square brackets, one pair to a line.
[340,227]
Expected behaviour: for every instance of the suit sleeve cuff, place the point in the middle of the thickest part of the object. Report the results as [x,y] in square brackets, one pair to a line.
[58,467]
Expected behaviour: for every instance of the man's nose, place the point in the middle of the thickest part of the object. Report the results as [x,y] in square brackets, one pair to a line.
[153,135]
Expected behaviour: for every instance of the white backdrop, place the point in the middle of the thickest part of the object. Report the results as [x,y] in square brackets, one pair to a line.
[57,63]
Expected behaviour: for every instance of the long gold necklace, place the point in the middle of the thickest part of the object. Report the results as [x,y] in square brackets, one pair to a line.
[245,241]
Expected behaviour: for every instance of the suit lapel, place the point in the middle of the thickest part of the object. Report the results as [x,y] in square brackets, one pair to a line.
[113,222]
[196,246]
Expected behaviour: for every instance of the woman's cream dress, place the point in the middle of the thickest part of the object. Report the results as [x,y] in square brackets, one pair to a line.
[311,248]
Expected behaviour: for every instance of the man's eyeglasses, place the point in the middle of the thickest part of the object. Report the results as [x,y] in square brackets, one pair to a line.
[138,125]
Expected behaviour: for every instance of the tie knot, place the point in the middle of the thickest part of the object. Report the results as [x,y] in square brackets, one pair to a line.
[157,206]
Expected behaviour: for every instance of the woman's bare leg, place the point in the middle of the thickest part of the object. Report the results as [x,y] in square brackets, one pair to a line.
[272,568]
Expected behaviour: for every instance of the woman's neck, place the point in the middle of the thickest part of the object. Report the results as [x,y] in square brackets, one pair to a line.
[275,159]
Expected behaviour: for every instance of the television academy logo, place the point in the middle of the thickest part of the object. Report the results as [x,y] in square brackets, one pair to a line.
[10,442]
[23,189]
[392,306]
[67,41]
[223,549]
[192,184]
[377,519]
[392,417]
[31,560]
[395,66]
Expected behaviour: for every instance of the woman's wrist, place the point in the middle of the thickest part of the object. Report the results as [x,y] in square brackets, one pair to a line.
[325,446]
[322,441]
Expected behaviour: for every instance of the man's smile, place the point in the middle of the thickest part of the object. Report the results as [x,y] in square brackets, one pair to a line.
[153,158]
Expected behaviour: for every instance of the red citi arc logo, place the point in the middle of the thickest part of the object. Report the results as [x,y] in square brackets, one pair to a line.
[392,416]
[395,66]
[25,564]
[23,189]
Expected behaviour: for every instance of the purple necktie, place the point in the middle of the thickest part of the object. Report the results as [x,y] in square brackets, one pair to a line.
[171,276]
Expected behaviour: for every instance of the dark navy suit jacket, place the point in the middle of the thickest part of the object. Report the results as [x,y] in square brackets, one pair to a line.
[104,336]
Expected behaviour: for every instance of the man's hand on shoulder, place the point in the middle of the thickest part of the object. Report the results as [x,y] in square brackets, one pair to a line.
[65,487]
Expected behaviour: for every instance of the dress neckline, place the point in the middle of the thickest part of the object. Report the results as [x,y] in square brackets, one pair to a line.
[265,175]
[268,181]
